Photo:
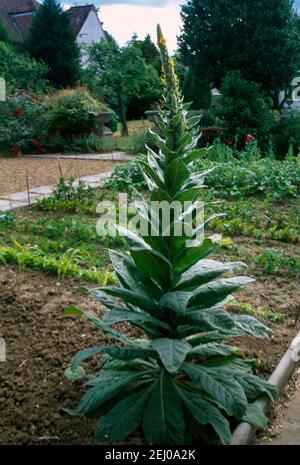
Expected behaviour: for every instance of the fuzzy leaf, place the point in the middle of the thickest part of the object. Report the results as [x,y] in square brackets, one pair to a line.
[123,419]
[164,418]
[224,390]
[172,352]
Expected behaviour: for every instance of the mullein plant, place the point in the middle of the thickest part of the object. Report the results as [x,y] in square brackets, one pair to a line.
[178,383]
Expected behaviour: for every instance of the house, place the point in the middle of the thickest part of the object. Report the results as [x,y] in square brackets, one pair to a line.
[86,24]
[17,15]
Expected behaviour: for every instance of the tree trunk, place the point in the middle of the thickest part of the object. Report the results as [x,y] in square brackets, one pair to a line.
[122,115]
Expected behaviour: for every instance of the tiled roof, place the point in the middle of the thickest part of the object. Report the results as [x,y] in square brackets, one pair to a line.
[16,16]
[18,6]
[78,15]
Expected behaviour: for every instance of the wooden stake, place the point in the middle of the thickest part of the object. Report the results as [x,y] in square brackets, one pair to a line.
[77,167]
[60,168]
[10,202]
[28,192]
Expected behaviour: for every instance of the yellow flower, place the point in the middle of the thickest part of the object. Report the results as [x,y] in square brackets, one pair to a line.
[172,62]
[163,41]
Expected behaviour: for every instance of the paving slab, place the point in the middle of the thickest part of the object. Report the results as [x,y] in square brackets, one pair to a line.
[43,190]
[112,156]
[290,424]
[20,199]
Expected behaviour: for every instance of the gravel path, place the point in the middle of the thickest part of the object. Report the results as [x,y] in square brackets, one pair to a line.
[44,171]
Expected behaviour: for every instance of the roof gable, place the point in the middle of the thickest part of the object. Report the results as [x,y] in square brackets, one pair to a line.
[78,16]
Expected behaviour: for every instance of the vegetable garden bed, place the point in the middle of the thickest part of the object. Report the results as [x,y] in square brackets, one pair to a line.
[41,340]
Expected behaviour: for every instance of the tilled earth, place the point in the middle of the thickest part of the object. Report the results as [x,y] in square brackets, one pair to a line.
[41,340]
[43,171]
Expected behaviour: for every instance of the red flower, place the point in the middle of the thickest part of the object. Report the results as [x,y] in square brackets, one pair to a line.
[15,150]
[229,142]
[19,112]
[249,138]
[160,105]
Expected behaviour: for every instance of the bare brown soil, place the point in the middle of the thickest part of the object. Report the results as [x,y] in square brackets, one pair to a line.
[41,341]
[43,171]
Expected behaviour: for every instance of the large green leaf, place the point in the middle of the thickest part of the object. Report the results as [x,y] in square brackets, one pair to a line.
[212,350]
[255,416]
[211,318]
[115,316]
[251,325]
[211,336]
[164,421]
[188,195]
[254,386]
[172,352]
[134,298]
[206,413]
[195,155]
[192,255]
[123,419]
[129,353]
[104,390]
[153,264]
[204,271]
[84,354]
[210,294]
[224,390]
[130,276]
[176,301]
[175,175]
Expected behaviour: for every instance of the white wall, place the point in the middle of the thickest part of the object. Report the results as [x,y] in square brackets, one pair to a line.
[91,32]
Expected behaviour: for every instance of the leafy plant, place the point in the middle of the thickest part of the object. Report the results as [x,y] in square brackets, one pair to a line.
[273,261]
[68,190]
[72,112]
[126,177]
[179,382]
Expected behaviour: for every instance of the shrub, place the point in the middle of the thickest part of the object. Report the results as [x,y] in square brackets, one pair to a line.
[287,133]
[20,127]
[20,70]
[244,109]
[238,178]
[177,382]
[72,112]
[125,177]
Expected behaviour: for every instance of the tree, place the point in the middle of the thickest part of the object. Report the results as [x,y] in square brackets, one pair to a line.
[260,39]
[122,73]
[52,40]
[244,109]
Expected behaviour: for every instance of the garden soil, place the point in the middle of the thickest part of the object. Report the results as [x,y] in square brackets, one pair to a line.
[45,172]
[41,340]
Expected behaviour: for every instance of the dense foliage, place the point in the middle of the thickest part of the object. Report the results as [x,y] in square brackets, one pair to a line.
[244,109]
[20,127]
[20,70]
[52,40]
[178,382]
[72,112]
[121,73]
[258,38]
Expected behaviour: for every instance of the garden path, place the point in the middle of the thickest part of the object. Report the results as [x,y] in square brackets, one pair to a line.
[290,424]
[113,156]
[24,199]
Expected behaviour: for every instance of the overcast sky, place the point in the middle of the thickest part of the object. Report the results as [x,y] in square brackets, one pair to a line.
[122,18]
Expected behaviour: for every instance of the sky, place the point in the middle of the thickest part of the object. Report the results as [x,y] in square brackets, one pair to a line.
[122,18]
